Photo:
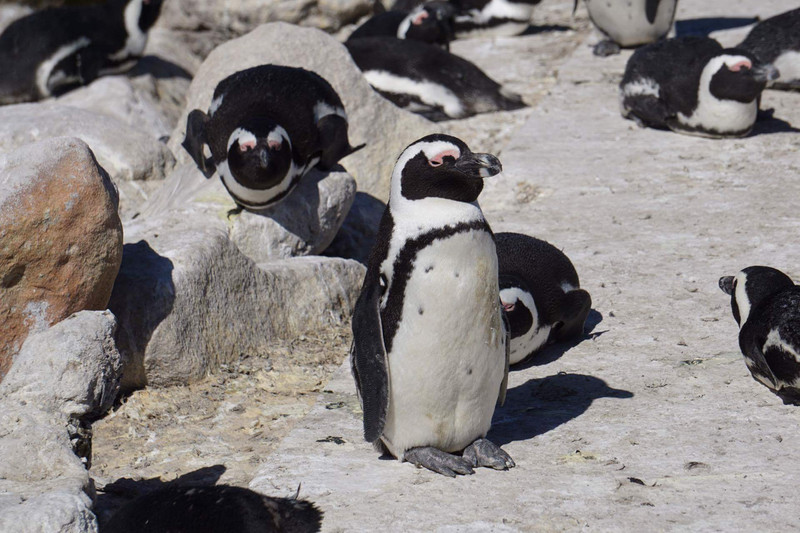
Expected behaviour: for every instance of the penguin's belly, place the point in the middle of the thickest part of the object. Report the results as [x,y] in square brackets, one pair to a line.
[447,359]
[626,22]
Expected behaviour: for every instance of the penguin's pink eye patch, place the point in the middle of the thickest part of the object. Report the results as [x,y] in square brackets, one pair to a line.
[508,307]
[274,145]
[419,18]
[746,65]
[438,159]
[247,145]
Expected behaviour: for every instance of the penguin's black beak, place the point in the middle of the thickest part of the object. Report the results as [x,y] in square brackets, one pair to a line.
[479,165]
[263,156]
[726,284]
[765,73]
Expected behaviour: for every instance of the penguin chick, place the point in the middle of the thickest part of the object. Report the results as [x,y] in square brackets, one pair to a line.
[692,85]
[766,305]
[540,292]
[267,126]
[52,51]
[777,41]
[430,348]
[430,23]
[629,23]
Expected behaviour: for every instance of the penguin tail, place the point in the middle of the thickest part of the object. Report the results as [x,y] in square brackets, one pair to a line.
[510,101]
[195,140]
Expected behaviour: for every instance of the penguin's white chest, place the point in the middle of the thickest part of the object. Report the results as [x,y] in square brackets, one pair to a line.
[447,360]
[625,21]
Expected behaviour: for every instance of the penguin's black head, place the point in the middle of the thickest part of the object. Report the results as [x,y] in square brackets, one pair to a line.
[430,23]
[441,166]
[517,301]
[752,286]
[259,158]
[738,75]
[150,11]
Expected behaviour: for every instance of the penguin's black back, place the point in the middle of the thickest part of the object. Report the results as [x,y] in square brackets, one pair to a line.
[778,34]
[385,24]
[285,95]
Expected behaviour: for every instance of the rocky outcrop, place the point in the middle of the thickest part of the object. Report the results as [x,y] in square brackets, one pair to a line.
[61,238]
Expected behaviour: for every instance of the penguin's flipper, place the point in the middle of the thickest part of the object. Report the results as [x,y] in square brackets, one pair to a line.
[368,358]
[575,308]
[501,397]
[651,10]
[333,140]
[648,111]
[752,345]
[195,140]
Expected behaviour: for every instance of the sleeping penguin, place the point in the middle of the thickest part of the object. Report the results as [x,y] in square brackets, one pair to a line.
[430,23]
[629,23]
[267,126]
[50,52]
[692,85]
[777,41]
[766,305]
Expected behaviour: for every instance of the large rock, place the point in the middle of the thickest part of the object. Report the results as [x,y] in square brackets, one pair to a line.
[386,129]
[61,238]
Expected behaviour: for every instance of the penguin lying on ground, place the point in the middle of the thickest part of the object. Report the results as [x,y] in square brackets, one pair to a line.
[777,41]
[692,85]
[485,17]
[50,52]
[629,23]
[266,128]
[428,80]
[766,305]
[430,348]
[430,23]
[540,292]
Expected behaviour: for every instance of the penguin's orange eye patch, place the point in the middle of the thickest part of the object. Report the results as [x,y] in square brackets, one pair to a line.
[438,159]
[419,18]
[247,145]
[741,65]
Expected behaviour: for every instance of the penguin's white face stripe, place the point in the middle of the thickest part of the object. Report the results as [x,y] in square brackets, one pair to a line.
[774,339]
[742,301]
[532,339]
[322,109]
[501,9]
[788,64]
[215,103]
[45,69]
[277,136]
[568,287]
[405,24]
[642,87]
[137,39]
[244,137]
[428,92]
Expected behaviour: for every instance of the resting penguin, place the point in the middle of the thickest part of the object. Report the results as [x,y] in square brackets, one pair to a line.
[430,23]
[777,41]
[629,23]
[540,292]
[766,305]
[496,18]
[692,85]
[428,80]
[50,52]
[430,349]
[266,128]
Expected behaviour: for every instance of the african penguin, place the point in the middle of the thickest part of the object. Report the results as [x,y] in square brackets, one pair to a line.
[766,305]
[629,23]
[267,126]
[540,292]
[777,41]
[428,80]
[692,85]
[430,23]
[497,18]
[430,347]
[52,51]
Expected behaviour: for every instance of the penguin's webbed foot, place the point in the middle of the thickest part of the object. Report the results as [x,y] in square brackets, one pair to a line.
[606,48]
[235,211]
[438,461]
[483,452]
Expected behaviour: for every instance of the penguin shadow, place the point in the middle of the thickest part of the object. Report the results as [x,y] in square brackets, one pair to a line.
[702,27]
[159,68]
[767,123]
[546,28]
[193,503]
[356,238]
[542,404]
[554,351]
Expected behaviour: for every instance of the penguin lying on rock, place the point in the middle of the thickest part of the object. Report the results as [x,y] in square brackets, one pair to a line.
[766,305]
[777,41]
[428,80]
[540,292]
[629,23]
[430,348]
[430,23]
[267,126]
[52,51]
[692,85]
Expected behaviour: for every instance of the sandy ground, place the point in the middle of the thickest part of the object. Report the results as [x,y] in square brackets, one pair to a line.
[651,423]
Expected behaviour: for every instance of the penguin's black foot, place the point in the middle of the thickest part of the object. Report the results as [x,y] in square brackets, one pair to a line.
[606,48]
[235,211]
[486,453]
[440,462]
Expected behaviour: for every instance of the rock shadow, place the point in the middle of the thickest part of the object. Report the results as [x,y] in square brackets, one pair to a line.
[701,27]
[542,404]
[546,28]
[553,352]
[159,68]
[356,237]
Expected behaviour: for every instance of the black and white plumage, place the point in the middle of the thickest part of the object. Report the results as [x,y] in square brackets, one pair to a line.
[430,349]
[541,294]
[430,23]
[428,80]
[267,126]
[777,41]
[52,51]
[766,305]
[629,23]
[692,85]
[495,18]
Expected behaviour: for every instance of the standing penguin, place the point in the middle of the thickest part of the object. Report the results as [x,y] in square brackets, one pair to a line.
[629,23]
[692,85]
[777,41]
[50,52]
[540,292]
[428,80]
[430,23]
[430,350]
[266,128]
[766,305]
